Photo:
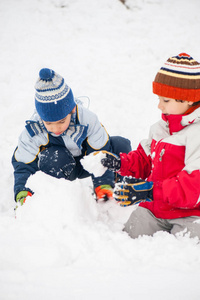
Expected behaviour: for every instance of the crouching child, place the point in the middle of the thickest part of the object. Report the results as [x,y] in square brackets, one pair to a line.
[58,135]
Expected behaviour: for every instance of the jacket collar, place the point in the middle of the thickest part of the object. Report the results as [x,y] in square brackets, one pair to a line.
[178,122]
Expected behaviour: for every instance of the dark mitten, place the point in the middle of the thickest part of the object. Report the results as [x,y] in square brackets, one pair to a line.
[133,191]
[111,161]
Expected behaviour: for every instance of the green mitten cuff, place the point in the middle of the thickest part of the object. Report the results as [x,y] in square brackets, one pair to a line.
[21,196]
[106,187]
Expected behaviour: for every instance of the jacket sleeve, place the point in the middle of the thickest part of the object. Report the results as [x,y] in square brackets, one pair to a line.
[108,176]
[25,159]
[22,172]
[97,140]
[137,163]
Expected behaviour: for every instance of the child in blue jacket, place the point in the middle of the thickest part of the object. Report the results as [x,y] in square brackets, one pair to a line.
[58,135]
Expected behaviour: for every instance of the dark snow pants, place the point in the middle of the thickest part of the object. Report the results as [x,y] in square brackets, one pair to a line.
[58,161]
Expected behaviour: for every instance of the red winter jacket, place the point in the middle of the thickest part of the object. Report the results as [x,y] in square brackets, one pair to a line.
[170,157]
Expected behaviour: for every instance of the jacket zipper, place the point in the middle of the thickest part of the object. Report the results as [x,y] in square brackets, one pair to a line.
[161,154]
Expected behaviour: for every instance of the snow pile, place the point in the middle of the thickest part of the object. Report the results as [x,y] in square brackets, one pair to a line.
[62,243]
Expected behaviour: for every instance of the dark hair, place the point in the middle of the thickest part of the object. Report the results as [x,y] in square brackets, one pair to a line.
[196,103]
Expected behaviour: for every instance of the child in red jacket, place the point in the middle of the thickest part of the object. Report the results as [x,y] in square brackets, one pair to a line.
[164,172]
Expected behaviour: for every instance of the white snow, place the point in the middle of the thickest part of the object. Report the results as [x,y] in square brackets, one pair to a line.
[92,163]
[62,244]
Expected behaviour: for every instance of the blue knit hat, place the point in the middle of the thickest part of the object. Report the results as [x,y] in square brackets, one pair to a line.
[54,100]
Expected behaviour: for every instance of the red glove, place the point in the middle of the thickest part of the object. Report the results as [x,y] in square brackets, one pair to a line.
[104,192]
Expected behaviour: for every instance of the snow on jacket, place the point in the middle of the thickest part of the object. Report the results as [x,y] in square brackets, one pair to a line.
[170,157]
[84,135]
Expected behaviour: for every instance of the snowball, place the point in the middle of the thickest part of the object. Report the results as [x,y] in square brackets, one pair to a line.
[92,163]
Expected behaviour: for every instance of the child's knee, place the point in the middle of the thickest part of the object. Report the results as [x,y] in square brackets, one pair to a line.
[189,226]
[120,144]
[134,224]
[56,161]
[142,222]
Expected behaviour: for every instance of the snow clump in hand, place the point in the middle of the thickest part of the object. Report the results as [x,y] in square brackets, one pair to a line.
[92,163]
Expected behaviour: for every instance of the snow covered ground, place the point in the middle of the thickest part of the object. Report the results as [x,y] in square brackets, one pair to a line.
[63,245]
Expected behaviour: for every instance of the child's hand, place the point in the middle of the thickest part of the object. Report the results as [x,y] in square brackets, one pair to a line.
[133,191]
[111,161]
[104,192]
[21,197]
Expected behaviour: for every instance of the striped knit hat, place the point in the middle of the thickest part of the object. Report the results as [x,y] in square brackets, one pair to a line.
[179,79]
[54,100]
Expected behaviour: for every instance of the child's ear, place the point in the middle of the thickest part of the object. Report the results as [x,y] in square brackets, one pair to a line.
[73,110]
[190,103]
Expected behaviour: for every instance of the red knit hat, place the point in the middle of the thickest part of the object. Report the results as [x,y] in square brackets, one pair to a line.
[179,79]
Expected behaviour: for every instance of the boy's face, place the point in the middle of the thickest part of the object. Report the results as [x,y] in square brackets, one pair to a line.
[170,106]
[59,126]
